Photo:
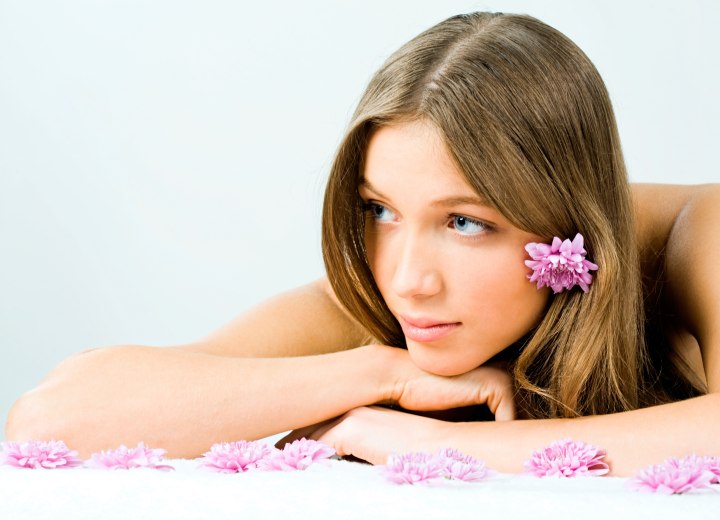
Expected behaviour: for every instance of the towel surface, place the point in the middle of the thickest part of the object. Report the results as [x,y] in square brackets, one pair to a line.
[336,489]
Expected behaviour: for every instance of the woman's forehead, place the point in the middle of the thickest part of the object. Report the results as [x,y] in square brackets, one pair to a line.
[414,152]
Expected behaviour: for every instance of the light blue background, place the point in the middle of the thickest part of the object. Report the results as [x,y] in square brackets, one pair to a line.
[162,162]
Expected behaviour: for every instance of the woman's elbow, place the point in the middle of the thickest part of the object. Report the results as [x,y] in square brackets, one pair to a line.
[50,410]
[30,418]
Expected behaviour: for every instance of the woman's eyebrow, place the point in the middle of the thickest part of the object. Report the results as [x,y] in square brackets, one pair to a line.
[365,184]
[460,200]
[450,201]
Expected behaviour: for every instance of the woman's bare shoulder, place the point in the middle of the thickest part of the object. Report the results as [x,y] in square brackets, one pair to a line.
[679,224]
[302,321]
[657,207]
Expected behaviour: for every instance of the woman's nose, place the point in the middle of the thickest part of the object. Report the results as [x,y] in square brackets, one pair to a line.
[416,271]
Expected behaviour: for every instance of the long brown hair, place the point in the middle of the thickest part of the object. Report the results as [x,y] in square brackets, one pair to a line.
[528,120]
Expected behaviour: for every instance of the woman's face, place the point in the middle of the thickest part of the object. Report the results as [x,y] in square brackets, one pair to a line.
[450,268]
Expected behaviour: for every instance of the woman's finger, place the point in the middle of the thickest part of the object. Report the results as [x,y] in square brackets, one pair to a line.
[307,432]
[505,410]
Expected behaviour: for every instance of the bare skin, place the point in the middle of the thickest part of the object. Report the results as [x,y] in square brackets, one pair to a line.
[189,396]
[687,219]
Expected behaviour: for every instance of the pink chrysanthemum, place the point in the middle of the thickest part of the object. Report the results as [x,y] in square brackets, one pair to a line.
[674,476]
[413,468]
[299,454]
[458,466]
[38,455]
[235,457]
[561,265]
[712,464]
[129,458]
[567,458]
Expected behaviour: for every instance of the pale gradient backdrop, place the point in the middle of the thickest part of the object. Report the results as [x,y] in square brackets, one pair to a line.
[162,162]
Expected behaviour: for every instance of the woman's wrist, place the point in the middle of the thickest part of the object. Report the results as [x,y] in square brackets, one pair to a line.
[385,374]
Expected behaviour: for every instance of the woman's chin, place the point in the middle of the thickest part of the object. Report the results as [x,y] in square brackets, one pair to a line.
[439,363]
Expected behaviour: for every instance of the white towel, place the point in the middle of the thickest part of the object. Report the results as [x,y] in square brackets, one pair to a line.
[337,489]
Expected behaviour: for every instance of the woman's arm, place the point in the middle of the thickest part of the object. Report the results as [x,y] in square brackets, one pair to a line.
[130,392]
[186,401]
[186,398]
[632,439]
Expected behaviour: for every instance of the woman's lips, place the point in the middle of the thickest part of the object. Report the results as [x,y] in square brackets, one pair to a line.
[425,330]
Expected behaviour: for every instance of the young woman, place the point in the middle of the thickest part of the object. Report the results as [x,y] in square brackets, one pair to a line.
[484,134]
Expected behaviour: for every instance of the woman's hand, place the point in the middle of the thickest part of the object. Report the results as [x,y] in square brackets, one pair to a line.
[372,433]
[416,389]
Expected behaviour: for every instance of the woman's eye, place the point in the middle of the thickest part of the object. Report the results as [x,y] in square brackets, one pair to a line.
[380,213]
[468,226]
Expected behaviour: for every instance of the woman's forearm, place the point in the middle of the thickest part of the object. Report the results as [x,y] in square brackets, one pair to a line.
[632,439]
[185,401]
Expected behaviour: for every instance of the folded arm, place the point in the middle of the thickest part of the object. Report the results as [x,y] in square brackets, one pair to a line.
[632,440]
[184,399]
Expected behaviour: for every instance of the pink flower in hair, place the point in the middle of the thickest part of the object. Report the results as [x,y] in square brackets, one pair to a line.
[235,457]
[674,476]
[560,265]
[38,455]
[567,458]
[414,468]
[299,454]
[458,466]
[129,458]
